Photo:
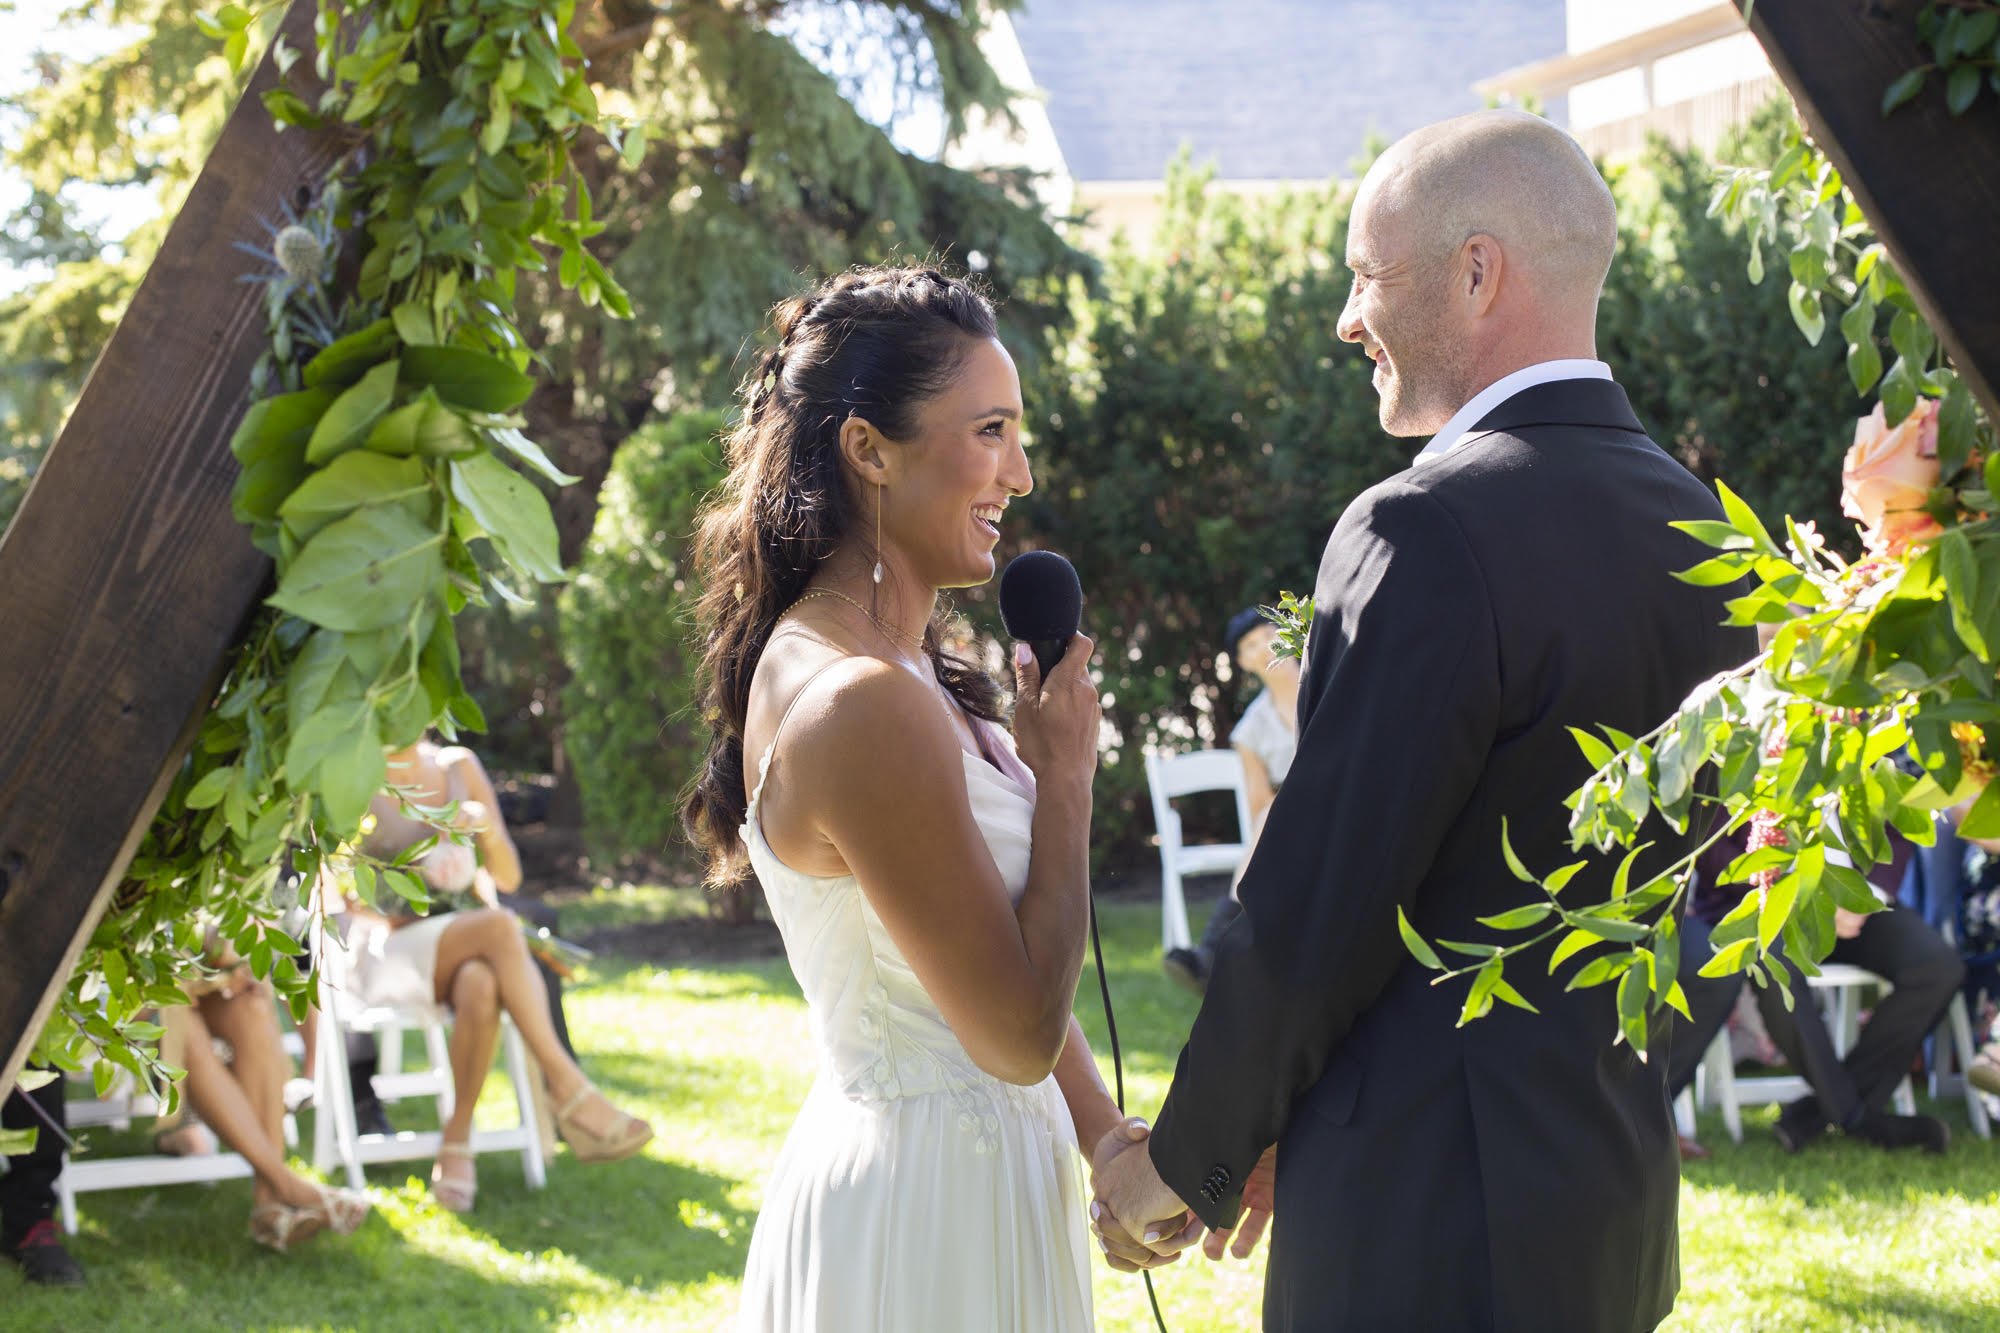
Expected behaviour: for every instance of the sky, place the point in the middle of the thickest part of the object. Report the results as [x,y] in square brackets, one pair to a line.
[31,26]
[28,27]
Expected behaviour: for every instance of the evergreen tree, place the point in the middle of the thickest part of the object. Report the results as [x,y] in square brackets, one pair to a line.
[748,170]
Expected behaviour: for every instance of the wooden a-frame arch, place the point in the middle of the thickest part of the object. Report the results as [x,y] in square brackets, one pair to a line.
[124,579]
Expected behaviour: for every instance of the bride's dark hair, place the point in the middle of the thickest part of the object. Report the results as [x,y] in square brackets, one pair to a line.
[873,343]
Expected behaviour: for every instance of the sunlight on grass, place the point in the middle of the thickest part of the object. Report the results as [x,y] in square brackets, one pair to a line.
[719,1058]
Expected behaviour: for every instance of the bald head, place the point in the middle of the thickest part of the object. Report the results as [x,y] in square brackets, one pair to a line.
[1479,246]
[1508,175]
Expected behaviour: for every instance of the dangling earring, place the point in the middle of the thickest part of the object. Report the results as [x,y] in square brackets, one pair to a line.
[879,490]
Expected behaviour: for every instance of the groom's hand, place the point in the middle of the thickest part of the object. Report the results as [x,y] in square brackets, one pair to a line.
[1122,1250]
[1260,1200]
[1140,1222]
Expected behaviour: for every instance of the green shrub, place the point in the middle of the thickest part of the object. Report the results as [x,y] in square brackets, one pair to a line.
[1191,455]
[1199,440]
[632,733]
[1715,367]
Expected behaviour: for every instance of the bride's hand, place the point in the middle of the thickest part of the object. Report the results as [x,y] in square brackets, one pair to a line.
[1122,1250]
[1056,720]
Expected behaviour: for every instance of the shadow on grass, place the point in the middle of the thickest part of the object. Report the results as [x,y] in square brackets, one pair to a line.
[1837,1171]
[643,1223]
[177,1257]
[1864,1306]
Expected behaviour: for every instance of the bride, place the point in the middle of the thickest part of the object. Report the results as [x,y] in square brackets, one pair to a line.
[930,880]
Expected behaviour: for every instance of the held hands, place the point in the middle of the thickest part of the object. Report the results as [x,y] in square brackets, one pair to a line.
[1139,1222]
[1056,720]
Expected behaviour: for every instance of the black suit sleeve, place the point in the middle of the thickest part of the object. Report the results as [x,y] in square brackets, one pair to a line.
[1397,713]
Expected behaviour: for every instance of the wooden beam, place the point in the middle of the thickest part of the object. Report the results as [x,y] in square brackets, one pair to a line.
[124,578]
[1928,181]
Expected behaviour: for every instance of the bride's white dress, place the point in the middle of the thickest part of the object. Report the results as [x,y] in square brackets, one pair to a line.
[915,1193]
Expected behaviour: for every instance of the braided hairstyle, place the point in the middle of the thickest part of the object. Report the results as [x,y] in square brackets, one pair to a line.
[872,342]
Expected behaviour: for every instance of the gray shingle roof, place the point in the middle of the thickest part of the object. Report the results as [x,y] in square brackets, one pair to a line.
[1267,89]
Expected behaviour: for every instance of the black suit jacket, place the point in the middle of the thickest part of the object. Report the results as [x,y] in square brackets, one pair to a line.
[1519,1173]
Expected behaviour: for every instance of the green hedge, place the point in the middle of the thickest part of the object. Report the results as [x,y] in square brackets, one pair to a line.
[1208,426]
[632,733]
[1193,445]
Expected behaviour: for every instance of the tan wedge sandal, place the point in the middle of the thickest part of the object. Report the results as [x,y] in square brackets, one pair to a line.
[344,1210]
[279,1226]
[453,1195]
[628,1133]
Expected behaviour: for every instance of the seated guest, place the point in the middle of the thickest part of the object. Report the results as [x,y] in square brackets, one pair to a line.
[1975,915]
[1710,1001]
[1265,738]
[243,1100]
[475,960]
[28,1233]
[1851,1093]
[488,874]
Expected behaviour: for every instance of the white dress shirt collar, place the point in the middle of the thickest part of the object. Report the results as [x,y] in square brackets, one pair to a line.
[1498,392]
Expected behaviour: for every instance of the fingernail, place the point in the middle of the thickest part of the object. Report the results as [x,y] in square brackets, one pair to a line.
[1022,653]
[1096,1211]
[1151,1236]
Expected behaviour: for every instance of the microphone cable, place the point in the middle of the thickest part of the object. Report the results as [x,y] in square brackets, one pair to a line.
[1118,1079]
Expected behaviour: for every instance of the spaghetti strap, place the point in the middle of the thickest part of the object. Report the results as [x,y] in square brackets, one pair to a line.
[764,764]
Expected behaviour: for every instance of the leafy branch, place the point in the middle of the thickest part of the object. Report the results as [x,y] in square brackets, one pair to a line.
[384,470]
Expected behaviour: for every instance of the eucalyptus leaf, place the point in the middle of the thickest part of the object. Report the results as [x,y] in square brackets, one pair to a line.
[1903,89]
[350,774]
[511,511]
[363,571]
[468,379]
[343,362]
[352,480]
[525,449]
[351,416]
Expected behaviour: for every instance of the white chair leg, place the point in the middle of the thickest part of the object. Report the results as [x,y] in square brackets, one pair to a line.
[1960,1023]
[437,1049]
[326,1148]
[1174,933]
[333,1097]
[389,1048]
[522,1071]
[1721,1079]
[1684,1113]
[1905,1099]
[66,1198]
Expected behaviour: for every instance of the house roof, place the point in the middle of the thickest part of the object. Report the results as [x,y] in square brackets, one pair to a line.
[1266,89]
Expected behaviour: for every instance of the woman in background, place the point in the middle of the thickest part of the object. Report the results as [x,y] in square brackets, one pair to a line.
[1264,738]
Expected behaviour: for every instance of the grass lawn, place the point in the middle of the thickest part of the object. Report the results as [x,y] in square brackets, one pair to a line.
[717,1055]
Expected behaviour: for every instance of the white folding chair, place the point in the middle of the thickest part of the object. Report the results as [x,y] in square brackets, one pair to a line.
[1839,987]
[336,1136]
[1714,1085]
[123,1103]
[1173,776]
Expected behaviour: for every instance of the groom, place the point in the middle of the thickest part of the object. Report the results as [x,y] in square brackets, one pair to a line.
[1518,1173]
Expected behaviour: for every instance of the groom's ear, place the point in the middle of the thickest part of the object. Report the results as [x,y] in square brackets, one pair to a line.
[1482,263]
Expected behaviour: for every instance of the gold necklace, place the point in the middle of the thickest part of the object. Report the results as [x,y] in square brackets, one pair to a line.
[915,641]
[951,707]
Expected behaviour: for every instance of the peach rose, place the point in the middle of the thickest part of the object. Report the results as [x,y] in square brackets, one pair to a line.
[1888,475]
[449,867]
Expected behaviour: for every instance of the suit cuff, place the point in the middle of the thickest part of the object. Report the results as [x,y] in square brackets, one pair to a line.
[1214,1190]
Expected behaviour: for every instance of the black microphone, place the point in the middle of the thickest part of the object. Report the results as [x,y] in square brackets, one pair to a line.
[1041,601]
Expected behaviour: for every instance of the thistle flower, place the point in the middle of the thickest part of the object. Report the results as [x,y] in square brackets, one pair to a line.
[299,253]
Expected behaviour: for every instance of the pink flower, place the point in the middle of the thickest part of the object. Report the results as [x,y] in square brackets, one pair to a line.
[1887,477]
